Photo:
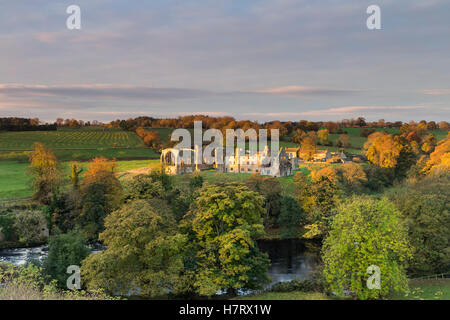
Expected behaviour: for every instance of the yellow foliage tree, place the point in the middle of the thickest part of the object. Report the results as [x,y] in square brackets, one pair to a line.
[308,148]
[439,158]
[382,150]
[46,173]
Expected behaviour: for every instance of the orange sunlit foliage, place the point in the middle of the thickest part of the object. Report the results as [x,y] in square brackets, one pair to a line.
[439,158]
[327,172]
[308,148]
[99,169]
[382,150]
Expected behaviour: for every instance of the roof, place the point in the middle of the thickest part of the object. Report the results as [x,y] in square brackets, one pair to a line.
[321,152]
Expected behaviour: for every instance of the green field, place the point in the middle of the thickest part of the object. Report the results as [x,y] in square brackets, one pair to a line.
[419,290]
[75,144]
[295,295]
[15,182]
[69,139]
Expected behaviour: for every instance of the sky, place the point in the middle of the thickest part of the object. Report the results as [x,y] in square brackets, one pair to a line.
[250,59]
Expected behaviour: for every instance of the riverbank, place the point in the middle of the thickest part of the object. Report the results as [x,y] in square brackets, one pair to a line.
[430,289]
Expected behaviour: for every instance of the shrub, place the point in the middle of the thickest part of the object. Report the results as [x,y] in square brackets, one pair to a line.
[294,285]
[30,226]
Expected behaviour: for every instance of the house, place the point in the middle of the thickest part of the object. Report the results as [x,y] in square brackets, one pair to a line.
[336,157]
[292,152]
[322,155]
[293,155]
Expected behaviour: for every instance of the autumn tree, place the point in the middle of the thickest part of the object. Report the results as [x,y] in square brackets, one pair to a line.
[101,194]
[429,143]
[225,221]
[439,160]
[344,141]
[323,136]
[366,232]
[153,139]
[352,176]
[46,172]
[444,125]
[298,136]
[308,148]
[382,150]
[327,172]
[331,126]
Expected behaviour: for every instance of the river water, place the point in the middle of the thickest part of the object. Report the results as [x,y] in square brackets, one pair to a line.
[290,258]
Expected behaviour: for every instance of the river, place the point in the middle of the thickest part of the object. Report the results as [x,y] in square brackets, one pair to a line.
[290,258]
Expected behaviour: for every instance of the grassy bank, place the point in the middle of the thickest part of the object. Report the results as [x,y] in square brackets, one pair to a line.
[419,290]
[295,295]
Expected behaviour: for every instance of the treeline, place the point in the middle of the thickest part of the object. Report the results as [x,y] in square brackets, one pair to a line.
[24,124]
[285,127]
[76,124]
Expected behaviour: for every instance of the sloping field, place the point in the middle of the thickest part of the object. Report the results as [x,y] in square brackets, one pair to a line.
[75,144]
[63,139]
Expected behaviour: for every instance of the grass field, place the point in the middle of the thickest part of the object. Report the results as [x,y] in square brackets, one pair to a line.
[419,290]
[15,182]
[295,295]
[427,290]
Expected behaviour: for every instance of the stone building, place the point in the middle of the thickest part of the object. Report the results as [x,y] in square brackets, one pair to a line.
[241,162]
[179,161]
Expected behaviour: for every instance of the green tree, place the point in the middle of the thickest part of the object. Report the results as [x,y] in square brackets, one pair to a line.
[65,250]
[426,211]
[290,218]
[142,187]
[75,175]
[144,254]
[318,200]
[225,220]
[366,232]
[270,188]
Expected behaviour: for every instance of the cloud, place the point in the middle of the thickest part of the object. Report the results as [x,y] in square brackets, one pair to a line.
[340,111]
[302,91]
[152,93]
[101,91]
[436,92]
